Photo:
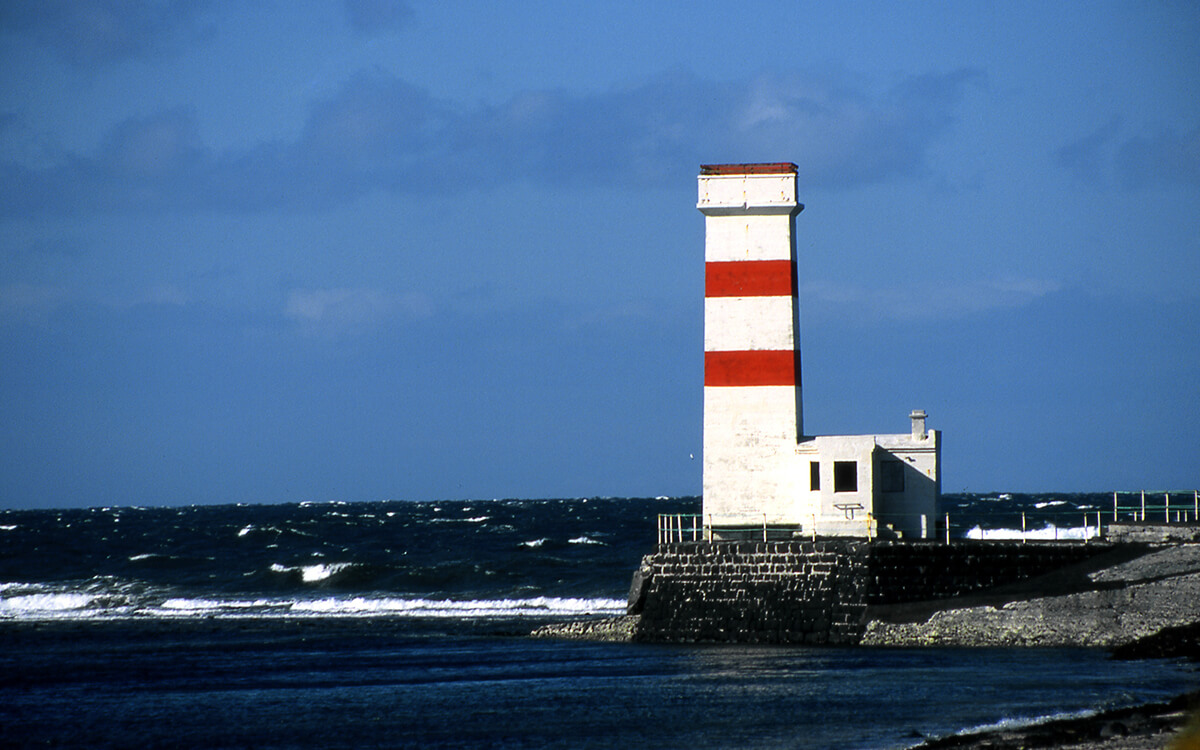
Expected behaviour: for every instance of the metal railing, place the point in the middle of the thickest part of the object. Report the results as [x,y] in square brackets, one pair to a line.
[693,527]
[1015,524]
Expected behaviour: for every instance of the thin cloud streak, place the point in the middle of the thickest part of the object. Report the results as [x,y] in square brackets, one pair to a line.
[926,301]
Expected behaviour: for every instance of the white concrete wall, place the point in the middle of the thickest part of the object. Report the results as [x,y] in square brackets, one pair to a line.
[745,236]
[922,482]
[836,513]
[749,439]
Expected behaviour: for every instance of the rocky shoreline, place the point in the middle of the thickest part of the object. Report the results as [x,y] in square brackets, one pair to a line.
[1107,607]
[607,629]
[1169,724]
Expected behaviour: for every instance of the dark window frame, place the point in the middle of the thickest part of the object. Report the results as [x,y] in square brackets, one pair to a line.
[814,475]
[845,476]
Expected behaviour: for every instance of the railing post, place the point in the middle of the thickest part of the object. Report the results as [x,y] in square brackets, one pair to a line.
[924,525]
[764,527]
[1143,505]
[947,528]
[1167,506]
[1023,539]
[1114,507]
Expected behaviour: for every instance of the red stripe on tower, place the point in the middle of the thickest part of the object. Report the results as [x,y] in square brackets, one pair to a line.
[748,278]
[750,368]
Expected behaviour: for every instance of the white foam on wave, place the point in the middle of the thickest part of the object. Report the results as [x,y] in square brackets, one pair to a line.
[313,573]
[8,527]
[585,539]
[541,606]
[535,543]
[1011,723]
[36,602]
[1050,504]
[1048,533]
[46,604]
[196,606]
[151,556]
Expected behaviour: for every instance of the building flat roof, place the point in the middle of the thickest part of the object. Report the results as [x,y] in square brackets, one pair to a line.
[779,167]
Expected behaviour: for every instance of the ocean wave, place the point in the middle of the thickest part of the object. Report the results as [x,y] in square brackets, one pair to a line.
[45,604]
[585,539]
[473,519]
[541,606]
[33,602]
[1011,723]
[210,606]
[315,572]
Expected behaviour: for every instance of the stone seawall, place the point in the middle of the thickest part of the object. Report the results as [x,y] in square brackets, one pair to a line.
[819,592]
[776,592]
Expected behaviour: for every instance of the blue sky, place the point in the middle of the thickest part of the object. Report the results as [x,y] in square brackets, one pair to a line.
[367,250]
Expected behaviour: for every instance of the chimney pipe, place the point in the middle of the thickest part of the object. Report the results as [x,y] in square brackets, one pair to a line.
[918,424]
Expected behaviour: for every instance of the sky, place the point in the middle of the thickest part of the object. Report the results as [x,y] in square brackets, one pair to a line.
[363,250]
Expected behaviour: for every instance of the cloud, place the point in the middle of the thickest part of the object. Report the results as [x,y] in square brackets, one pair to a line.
[30,302]
[379,133]
[376,17]
[338,311]
[1087,159]
[1165,158]
[926,301]
[92,33]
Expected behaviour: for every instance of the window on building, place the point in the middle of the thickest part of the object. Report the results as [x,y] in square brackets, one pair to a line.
[845,476]
[814,475]
[891,475]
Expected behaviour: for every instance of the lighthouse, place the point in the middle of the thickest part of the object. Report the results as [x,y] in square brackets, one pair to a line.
[761,472]
[752,406]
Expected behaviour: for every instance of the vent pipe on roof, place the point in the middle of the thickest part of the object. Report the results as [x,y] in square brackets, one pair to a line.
[918,424]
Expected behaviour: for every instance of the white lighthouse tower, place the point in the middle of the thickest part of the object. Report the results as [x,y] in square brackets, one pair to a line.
[752,406]
[760,470]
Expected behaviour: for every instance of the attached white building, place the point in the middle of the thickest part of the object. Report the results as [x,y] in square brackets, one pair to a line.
[760,469]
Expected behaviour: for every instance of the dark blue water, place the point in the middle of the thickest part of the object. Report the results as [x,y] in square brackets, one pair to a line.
[402,625]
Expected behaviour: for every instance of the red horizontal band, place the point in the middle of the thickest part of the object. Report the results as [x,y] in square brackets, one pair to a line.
[748,278]
[771,367]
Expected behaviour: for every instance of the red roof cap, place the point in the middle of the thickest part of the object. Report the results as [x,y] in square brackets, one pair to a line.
[779,167]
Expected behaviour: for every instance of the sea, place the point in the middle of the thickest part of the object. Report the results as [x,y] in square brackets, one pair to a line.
[405,624]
